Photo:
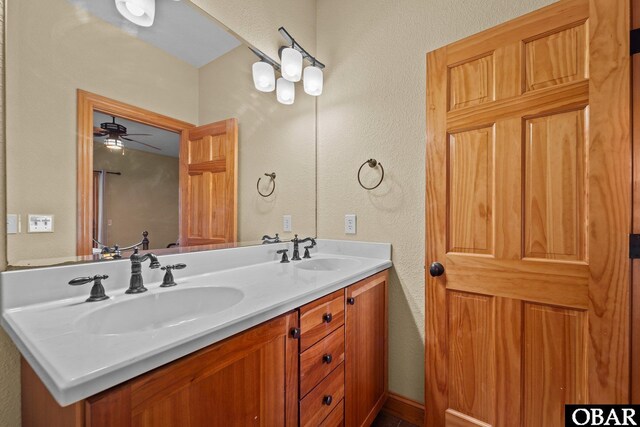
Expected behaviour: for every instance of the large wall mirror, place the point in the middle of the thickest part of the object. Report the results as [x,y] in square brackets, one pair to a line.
[122,135]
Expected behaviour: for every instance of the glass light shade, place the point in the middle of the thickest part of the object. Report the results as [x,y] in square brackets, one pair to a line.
[113,143]
[291,64]
[313,80]
[264,76]
[140,12]
[285,91]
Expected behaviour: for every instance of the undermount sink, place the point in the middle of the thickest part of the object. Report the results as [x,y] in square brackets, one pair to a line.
[158,310]
[328,264]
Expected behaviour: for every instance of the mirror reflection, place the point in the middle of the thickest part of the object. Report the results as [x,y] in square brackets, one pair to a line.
[152,136]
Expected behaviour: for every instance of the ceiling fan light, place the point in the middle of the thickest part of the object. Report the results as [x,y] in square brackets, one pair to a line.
[313,80]
[291,64]
[285,91]
[113,143]
[140,12]
[264,77]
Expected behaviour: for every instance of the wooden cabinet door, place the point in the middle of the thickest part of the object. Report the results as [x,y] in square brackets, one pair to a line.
[528,211]
[209,184]
[366,350]
[249,379]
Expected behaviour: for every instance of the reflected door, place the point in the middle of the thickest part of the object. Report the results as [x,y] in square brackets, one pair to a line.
[528,212]
[209,184]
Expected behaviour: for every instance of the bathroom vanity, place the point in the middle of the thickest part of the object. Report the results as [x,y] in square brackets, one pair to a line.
[300,343]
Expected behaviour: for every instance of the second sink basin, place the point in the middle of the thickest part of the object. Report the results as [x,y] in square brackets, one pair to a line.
[159,310]
[327,264]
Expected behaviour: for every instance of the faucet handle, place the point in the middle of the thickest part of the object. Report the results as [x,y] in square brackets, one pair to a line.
[306,251]
[97,290]
[285,257]
[168,280]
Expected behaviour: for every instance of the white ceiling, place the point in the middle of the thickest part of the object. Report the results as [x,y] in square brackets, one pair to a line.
[180,29]
[167,142]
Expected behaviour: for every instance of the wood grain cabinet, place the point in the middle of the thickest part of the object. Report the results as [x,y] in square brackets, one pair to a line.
[324,364]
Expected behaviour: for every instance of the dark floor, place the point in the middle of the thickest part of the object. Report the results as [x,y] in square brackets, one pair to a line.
[386,420]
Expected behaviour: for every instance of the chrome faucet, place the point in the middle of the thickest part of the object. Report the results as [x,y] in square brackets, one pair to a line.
[136,285]
[296,251]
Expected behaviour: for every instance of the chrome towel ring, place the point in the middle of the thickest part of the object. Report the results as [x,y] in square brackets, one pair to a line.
[271,175]
[372,164]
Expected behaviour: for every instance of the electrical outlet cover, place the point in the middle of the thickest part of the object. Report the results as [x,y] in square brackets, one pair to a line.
[350,224]
[40,223]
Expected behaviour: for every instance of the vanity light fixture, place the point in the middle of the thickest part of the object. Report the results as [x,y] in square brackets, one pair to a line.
[264,76]
[291,64]
[293,56]
[285,91]
[313,80]
[140,12]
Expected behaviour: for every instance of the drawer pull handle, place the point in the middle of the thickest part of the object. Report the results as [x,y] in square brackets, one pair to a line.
[327,358]
[327,400]
[295,333]
[327,317]
[351,301]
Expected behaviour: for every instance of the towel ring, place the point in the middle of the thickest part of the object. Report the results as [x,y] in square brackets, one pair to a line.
[372,164]
[271,175]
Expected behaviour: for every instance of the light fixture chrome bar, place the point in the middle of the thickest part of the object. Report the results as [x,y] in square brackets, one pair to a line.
[265,58]
[292,43]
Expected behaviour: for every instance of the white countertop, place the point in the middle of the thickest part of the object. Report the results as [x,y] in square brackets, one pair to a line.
[42,313]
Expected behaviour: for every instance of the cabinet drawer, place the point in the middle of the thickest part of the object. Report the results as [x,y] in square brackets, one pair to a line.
[321,317]
[336,417]
[320,359]
[319,403]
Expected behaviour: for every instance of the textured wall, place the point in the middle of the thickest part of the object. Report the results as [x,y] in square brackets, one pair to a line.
[144,197]
[257,21]
[271,138]
[374,106]
[52,51]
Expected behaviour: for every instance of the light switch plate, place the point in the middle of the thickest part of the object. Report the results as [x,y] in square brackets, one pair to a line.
[350,224]
[286,223]
[13,223]
[40,223]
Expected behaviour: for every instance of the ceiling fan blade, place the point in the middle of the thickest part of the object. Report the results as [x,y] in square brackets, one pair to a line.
[143,143]
[99,132]
[137,134]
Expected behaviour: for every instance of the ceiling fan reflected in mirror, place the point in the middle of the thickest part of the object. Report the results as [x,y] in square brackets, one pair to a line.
[116,134]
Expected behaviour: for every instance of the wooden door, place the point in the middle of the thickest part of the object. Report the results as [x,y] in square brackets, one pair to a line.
[635,332]
[249,379]
[528,210]
[366,350]
[209,184]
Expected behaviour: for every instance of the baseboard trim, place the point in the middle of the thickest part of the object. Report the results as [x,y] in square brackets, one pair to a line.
[405,409]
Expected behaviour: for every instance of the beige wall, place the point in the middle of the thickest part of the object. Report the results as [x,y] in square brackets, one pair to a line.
[42,79]
[143,197]
[374,106]
[271,138]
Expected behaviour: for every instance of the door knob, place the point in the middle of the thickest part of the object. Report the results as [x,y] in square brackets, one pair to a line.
[436,269]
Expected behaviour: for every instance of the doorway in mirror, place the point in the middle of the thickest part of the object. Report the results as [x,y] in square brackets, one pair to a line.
[139,171]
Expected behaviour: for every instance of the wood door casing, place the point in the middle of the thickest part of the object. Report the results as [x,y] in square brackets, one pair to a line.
[209,184]
[528,209]
[87,103]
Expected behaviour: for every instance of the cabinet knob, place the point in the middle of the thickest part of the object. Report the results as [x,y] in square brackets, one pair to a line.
[327,317]
[351,301]
[327,358]
[295,333]
[327,400]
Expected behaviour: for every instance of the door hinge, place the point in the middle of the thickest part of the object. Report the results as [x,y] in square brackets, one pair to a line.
[634,246]
[635,41]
